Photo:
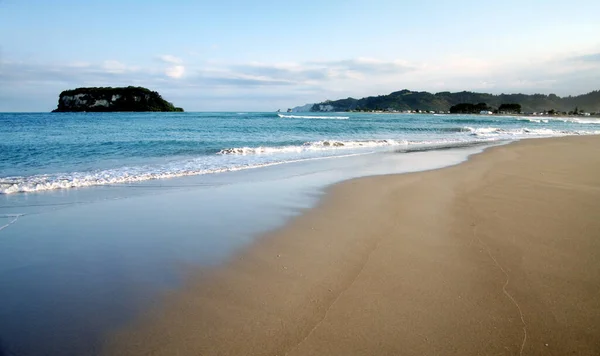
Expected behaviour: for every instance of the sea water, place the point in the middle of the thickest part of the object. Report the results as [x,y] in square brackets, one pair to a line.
[68,150]
[102,213]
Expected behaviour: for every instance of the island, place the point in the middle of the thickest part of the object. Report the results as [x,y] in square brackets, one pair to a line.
[107,99]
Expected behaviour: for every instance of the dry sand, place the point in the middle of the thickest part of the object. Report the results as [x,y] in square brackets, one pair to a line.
[496,256]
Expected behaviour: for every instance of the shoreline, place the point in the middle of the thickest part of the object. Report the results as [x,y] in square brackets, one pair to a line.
[141,240]
[476,257]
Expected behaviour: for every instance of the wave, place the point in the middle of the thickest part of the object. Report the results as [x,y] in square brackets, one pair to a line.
[125,175]
[574,120]
[581,121]
[129,175]
[312,150]
[529,119]
[310,146]
[313,117]
[463,121]
[524,132]
[44,182]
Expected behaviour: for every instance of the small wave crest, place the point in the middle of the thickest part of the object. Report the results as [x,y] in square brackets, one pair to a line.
[524,132]
[128,175]
[310,146]
[582,121]
[313,117]
[44,182]
[573,120]
[530,119]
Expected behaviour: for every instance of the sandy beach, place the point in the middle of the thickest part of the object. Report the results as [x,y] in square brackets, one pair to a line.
[499,255]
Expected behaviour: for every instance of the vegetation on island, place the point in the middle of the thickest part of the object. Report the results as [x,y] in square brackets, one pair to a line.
[107,99]
[510,108]
[406,100]
[466,108]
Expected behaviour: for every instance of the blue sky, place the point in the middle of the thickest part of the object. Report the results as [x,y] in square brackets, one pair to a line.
[263,55]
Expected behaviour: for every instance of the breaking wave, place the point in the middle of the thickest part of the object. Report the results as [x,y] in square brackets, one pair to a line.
[126,175]
[573,120]
[529,119]
[310,146]
[313,117]
[581,121]
[524,132]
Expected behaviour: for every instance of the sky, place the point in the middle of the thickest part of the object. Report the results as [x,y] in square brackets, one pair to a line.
[264,55]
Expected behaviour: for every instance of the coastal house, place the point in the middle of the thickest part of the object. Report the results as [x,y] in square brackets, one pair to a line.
[485,112]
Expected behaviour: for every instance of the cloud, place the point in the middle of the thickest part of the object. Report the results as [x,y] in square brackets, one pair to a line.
[315,71]
[369,66]
[22,73]
[594,57]
[241,81]
[175,69]
[262,85]
[291,72]
[112,66]
[167,58]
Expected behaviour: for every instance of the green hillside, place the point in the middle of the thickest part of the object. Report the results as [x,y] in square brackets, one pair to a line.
[412,100]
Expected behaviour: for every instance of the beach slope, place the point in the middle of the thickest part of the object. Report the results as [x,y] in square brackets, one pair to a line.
[499,255]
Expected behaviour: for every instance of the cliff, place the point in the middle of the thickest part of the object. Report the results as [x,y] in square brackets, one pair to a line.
[413,100]
[112,99]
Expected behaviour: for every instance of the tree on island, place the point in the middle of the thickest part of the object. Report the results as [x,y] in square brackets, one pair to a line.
[467,108]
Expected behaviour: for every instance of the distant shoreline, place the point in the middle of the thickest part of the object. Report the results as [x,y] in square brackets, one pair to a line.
[477,114]
[464,101]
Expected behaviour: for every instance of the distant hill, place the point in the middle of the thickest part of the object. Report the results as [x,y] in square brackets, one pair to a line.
[412,100]
[112,99]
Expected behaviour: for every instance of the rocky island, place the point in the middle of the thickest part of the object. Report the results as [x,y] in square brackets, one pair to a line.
[109,99]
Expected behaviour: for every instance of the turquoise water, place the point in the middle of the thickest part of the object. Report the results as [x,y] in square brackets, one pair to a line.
[44,151]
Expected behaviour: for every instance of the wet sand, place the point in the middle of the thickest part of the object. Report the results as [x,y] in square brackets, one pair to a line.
[498,255]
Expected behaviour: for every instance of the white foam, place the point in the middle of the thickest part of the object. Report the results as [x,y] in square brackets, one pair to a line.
[263,157]
[574,120]
[525,132]
[125,175]
[311,146]
[481,130]
[313,117]
[539,121]
[582,121]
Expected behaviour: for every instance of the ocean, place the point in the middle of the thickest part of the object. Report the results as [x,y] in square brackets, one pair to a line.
[102,214]
[45,151]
